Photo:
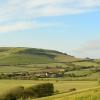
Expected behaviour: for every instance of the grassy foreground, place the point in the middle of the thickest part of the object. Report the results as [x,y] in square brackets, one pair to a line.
[61,86]
[85,94]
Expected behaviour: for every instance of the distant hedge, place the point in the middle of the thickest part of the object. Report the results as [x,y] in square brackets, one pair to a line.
[36,91]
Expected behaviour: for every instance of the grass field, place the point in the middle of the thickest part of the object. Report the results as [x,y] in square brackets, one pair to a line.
[86,63]
[79,72]
[85,94]
[29,67]
[61,86]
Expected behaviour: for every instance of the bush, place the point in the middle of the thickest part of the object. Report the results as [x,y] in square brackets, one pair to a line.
[46,89]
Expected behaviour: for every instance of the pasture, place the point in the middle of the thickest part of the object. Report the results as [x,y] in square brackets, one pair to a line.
[84,94]
[61,86]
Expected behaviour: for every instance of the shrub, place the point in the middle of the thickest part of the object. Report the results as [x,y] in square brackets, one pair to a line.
[46,89]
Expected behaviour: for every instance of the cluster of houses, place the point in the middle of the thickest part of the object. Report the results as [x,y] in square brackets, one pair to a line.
[43,73]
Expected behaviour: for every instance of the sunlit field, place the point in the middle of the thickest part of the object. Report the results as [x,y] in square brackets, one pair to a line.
[61,86]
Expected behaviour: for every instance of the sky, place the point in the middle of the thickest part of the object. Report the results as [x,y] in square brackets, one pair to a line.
[69,26]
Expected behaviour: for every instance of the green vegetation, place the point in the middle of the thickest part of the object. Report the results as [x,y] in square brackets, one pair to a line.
[23,68]
[32,63]
[61,86]
[23,56]
[40,90]
[79,73]
[86,63]
[86,94]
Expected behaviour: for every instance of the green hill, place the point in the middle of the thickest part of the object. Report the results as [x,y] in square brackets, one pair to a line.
[17,56]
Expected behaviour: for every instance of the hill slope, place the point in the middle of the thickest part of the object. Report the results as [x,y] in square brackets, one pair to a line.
[17,56]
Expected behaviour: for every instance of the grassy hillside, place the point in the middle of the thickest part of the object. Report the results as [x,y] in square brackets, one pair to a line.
[17,56]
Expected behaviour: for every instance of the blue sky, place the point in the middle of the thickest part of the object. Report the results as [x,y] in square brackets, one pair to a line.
[71,26]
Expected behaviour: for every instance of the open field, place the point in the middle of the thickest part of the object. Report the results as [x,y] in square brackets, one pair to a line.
[29,67]
[85,94]
[61,86]
[87,63]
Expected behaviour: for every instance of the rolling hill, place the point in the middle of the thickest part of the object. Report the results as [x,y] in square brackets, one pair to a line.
[18,56]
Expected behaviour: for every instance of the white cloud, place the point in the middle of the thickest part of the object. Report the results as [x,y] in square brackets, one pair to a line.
[34,8]
[15,27]
[29,9]
[90,3]
[23,26]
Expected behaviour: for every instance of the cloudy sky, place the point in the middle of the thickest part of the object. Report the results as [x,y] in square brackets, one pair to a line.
[71,26]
